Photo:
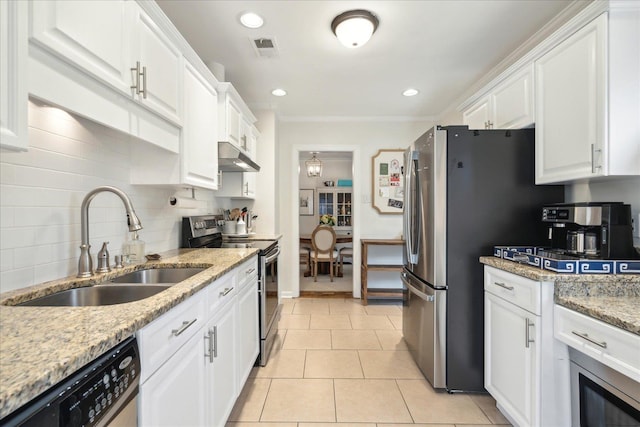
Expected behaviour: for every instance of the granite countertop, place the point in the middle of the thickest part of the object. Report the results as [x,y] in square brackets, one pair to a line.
[40,346]
[611,298]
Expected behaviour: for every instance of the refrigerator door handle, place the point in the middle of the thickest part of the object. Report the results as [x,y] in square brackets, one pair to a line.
[419,293]
[411,235]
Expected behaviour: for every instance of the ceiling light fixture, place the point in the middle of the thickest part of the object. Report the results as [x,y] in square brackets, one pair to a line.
[354,27]
[314,166]
[251,20]
[278,92]
[410,92]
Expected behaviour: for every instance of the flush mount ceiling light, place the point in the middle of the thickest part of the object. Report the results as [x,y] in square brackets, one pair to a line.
[410,92]
[314,166]
[251,20]
[354,27]
[278,92]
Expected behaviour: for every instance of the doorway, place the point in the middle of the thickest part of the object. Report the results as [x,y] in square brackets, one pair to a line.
[326,198]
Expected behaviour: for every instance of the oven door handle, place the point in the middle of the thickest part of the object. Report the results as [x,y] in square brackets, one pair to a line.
[270,259]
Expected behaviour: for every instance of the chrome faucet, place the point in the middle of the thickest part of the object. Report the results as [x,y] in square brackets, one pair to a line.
[85,264]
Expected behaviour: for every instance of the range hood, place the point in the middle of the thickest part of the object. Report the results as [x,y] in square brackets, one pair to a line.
[231,159]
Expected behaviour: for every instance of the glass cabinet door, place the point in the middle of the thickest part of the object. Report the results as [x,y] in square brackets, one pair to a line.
[325,203]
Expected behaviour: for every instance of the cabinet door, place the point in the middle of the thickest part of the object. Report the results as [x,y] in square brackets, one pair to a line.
[249,180]
[478,115]
[510,359]
[200,133]
[326,202]
[343,208]
[231,122]
[13,71]
[175,395]
[221,376]
[163,61]
[248,333]
[512,101]
[94,36]
[570,107]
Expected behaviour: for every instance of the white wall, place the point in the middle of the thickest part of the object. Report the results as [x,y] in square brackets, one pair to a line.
[266,202]
[367,137]
[42,189]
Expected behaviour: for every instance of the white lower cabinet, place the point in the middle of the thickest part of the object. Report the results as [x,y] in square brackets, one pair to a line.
[199,379]
[526,370]
[175,396]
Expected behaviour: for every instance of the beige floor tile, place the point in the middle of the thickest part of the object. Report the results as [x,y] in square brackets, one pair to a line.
[346,307]
[300,400]
[396,321]
[428,406]
[381,310]
[339,425]
[249,404]
[330,321]
[417,425]
[370,322]
[370,401]
[294,321]
[354,340]
[287,305]
[488,406]
[242,424]
[282,364]
[391,340]
[311,307]
[332,364]
[389,364]
[477,425]
[307,339]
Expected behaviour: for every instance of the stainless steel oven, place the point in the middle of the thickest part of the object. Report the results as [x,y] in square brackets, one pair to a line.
[601,396]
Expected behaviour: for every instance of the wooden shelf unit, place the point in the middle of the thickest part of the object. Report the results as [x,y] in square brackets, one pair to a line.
[391,293]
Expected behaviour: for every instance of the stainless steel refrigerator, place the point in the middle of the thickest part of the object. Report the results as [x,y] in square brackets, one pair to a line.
[465,191]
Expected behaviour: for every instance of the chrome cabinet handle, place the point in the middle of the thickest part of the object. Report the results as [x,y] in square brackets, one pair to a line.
[144,82]
[246,186]
[183,328]
[225,292]
[249,271]
[527,333]
[215,341]
[502,285]
[136,70]
[584,336]
[209,338]
[594,150]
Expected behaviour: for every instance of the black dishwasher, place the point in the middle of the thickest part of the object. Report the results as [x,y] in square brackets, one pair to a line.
[97,394]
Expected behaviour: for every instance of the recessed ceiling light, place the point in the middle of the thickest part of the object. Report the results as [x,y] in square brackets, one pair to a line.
[251,20]
[278,92]
[410,92]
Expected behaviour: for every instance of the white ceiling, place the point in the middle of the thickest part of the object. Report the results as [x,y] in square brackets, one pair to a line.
[440,47]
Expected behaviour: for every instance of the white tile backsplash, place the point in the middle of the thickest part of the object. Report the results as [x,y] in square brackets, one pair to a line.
[42,190]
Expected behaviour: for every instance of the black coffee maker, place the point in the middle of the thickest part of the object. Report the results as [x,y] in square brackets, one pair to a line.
[590,230]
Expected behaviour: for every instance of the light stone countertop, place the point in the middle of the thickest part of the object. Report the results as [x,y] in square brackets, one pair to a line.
[40,346]
[611,298]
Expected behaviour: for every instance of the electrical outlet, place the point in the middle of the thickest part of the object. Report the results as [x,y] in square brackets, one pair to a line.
[366,198]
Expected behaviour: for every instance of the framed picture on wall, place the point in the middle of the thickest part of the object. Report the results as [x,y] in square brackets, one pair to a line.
[387,182]
[305,201]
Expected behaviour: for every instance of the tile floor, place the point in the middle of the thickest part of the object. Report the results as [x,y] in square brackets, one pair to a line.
[339,363]
[324,283]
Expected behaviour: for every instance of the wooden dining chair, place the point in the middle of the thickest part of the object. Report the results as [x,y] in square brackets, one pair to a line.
[323,242]
[345,252]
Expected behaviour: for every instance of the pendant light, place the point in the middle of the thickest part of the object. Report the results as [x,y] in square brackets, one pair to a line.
[354,27]
[314,166]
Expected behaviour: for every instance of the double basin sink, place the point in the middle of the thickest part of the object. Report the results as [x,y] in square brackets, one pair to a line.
[130,287]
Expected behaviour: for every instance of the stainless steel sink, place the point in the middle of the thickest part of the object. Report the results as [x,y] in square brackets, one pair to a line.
[130,287]
[98,295]
[158,275]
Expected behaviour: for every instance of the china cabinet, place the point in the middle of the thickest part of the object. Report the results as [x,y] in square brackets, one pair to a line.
[337,202]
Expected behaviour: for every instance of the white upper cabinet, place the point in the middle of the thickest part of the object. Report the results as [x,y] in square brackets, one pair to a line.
[13,74]
[200,133]
[94,36]
[508,105]
[158,64]
[587,102]
[234,117]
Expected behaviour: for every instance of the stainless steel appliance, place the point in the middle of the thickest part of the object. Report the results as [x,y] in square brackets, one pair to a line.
[590,230]
[232,159]
[201,232]
[601,396]
[465,191]
[102,393]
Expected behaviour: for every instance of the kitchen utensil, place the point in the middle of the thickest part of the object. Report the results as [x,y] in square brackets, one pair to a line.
[229,227]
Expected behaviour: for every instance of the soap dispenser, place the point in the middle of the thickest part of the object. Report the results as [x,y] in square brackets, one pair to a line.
[134,249]
[103,259]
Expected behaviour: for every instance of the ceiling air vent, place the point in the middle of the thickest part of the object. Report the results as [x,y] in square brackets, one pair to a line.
[265,47]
